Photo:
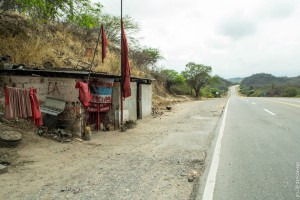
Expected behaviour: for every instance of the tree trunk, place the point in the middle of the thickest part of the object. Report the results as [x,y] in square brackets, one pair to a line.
[197,92]
[168,86]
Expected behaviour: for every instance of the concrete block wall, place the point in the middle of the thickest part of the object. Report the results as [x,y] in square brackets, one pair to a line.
[60,88]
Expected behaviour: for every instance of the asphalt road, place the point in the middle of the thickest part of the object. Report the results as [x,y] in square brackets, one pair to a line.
[259,151]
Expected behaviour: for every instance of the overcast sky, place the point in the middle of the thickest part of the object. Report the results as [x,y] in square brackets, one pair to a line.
[234,37]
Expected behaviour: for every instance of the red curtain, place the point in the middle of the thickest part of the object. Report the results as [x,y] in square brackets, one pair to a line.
[125,66]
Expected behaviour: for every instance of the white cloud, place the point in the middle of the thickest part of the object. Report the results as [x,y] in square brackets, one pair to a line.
[237,28]
[236,38]
[279,8]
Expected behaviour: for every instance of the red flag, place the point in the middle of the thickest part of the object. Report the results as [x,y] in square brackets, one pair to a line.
[104,43]
[125,66]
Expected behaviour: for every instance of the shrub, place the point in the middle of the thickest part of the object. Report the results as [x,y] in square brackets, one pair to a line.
[290,92]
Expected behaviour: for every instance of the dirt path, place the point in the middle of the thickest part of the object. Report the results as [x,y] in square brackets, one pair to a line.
[151,161]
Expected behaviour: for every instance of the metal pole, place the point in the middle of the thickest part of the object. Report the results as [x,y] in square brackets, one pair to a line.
[122,78]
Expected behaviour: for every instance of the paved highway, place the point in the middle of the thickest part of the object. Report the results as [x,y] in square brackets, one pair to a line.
[257,152]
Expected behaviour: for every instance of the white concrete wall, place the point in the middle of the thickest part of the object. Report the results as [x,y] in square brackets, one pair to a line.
[129,104]
[146,100]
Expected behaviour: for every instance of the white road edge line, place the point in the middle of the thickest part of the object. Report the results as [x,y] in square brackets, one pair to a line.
[269,112]
[208,193]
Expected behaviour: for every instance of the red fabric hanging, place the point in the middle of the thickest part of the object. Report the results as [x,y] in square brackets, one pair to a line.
[125,66]
[6,96]
[17,103]
[84,93]
[35,106]
[20,102]
[104,43]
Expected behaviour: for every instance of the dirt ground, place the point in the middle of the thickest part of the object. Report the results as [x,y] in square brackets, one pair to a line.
[151,161]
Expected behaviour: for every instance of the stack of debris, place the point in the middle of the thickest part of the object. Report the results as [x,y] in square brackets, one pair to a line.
[60,135]
[5,63]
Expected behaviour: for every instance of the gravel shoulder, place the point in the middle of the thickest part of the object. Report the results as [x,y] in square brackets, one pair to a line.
[152,161]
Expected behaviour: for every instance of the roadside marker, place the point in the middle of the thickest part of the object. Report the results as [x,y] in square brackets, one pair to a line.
[212,175]
[269,112]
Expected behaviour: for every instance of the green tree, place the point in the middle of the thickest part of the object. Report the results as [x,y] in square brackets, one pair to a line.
[43,9]
[145,57]
[85,15]
[112,29]
[8,5]
[197,76]
[172,78]
[81,12]
[218,85]
[215,80]
[290,92]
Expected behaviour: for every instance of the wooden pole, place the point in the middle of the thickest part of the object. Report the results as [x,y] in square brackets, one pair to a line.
[95,51]
[98,117]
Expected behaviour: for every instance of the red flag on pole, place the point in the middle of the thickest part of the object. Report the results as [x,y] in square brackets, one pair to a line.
[125,66]
[104,43]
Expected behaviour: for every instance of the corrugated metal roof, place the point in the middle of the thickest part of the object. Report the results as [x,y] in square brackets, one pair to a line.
[67,73]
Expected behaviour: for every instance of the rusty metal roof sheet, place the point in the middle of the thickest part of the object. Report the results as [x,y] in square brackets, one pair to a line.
[68,73]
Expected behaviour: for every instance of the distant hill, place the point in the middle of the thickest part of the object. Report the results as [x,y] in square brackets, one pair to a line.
[235,80]
[225,82]
[294,81]
[263,79]
[263,84]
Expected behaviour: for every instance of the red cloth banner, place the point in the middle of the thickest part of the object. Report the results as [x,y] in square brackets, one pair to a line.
[101,90]
[125,66]
[96,107]
[84,93]
[103,43]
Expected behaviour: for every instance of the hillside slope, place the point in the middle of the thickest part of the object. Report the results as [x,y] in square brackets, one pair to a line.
[59,45]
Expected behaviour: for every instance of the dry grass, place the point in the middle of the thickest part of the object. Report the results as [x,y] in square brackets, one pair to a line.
[32,51]
[112,64]
[61,45]
[62,50]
